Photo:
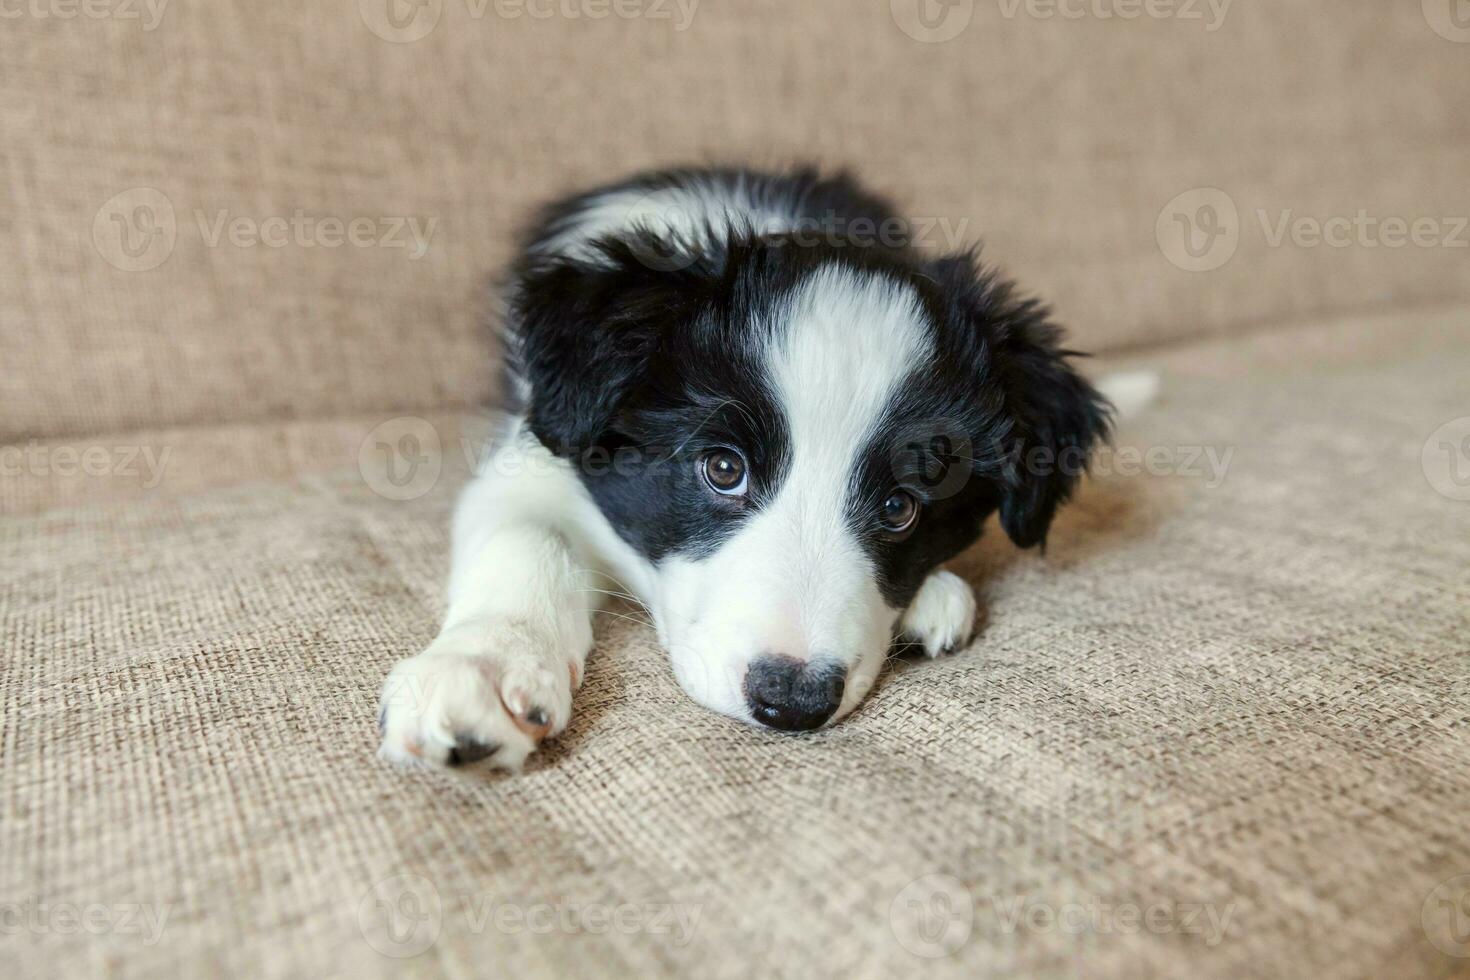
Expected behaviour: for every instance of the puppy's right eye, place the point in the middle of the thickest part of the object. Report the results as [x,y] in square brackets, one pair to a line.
[724,471]
[899,513]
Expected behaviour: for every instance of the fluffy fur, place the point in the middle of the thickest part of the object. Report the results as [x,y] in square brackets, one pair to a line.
[659,326]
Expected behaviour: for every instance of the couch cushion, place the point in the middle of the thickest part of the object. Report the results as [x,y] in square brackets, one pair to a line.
[1059,140]
[1221,729]
[63,471]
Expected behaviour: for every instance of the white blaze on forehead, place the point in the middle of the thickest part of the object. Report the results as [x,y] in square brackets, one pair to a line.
[795,579]
[848,341]
[694,212]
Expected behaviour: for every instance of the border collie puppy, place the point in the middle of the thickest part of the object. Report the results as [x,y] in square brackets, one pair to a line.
[749,403]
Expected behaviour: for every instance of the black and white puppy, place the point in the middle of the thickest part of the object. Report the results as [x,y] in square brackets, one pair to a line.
[767,429]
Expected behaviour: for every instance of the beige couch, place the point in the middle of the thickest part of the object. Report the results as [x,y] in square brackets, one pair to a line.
[1220,729]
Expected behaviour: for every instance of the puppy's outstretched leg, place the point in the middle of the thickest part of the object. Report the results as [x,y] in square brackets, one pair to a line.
[500,675]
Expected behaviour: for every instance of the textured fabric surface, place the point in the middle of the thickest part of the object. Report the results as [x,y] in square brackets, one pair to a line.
[1233,701]
[43,474]
[1059,139]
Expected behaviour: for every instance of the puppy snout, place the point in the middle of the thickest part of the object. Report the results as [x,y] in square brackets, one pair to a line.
[792,695]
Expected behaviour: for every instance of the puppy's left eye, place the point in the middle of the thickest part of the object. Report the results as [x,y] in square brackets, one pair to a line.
[724,471]
[900,511]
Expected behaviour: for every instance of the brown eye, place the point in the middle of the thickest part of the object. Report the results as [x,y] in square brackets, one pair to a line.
[724,471]
[900,511]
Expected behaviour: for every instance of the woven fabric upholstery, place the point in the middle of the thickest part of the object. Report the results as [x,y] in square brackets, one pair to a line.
[1233,702]
[1221,729]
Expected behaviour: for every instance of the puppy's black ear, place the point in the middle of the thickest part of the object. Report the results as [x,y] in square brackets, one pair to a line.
[1052,417]
[581,333]
[1059,418]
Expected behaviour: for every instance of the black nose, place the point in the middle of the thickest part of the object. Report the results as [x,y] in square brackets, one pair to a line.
[786,693]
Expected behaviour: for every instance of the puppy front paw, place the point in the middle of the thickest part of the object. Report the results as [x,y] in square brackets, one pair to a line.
[941,618]
[481,691]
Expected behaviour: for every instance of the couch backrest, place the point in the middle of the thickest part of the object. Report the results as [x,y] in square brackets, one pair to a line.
[176,179]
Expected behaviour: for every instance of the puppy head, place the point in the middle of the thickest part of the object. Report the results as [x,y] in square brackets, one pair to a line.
[794,439]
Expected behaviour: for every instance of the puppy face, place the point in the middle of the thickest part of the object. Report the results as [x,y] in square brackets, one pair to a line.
[793,439]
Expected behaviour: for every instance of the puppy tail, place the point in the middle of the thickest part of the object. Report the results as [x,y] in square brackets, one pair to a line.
[1130,391]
